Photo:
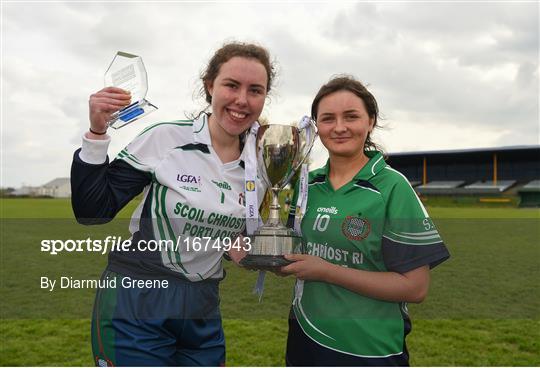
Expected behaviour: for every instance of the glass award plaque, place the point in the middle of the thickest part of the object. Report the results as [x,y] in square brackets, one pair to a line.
[127,72]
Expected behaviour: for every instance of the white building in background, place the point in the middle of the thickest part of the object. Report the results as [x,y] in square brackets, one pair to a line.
[57,188]
[25,190]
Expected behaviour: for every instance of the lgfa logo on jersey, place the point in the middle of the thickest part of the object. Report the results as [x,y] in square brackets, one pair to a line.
[355,228]
[250,185]
[186,178]
[189,179]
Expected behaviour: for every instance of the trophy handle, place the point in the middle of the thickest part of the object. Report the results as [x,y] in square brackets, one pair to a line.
[308,126]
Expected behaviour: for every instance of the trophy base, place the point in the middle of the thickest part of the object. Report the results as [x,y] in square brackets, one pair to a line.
[131,113]
[269,245]
[264,262]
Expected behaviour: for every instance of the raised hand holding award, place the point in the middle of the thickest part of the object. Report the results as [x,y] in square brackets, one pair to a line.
[127,72]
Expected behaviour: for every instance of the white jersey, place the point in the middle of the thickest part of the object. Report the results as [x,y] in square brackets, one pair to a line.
[193,203]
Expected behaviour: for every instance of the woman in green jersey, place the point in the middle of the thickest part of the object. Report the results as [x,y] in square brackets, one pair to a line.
[369,242]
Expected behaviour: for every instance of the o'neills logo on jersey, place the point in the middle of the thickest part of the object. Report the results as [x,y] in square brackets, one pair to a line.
[355,228]
[222,184]
[332,210]
[191,179]
[250,185]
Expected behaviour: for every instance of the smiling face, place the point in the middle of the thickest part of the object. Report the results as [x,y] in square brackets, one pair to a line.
[343,123]
[238,95]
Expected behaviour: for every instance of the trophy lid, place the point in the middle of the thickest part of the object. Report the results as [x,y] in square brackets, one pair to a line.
[127,72]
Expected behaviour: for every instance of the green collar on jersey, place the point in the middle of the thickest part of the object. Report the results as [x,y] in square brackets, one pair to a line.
[375,164]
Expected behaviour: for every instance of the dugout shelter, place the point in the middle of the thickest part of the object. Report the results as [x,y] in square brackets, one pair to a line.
[492,174]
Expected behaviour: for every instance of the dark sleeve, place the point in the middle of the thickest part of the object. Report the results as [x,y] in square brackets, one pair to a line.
[403,258]
[410,239]
[99,192]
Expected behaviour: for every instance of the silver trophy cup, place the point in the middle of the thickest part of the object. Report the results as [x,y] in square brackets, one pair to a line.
[281,149]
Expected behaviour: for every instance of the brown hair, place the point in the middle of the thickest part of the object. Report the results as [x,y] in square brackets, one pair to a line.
[349,83]
[230,50]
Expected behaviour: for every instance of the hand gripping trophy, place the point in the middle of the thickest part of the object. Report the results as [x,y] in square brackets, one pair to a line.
[280,151]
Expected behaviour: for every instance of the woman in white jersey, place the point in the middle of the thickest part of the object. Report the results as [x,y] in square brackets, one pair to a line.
[191,174]
[370,244]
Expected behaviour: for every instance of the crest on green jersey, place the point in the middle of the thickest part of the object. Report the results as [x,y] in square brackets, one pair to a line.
[355,228]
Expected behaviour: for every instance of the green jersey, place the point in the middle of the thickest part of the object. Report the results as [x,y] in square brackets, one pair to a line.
[375,222]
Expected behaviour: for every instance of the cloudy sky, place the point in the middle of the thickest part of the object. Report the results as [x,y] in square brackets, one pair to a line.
[446,75]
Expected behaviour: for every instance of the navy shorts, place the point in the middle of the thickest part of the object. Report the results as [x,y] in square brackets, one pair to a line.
[177,325]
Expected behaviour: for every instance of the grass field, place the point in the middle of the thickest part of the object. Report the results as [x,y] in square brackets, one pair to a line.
[483,308]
